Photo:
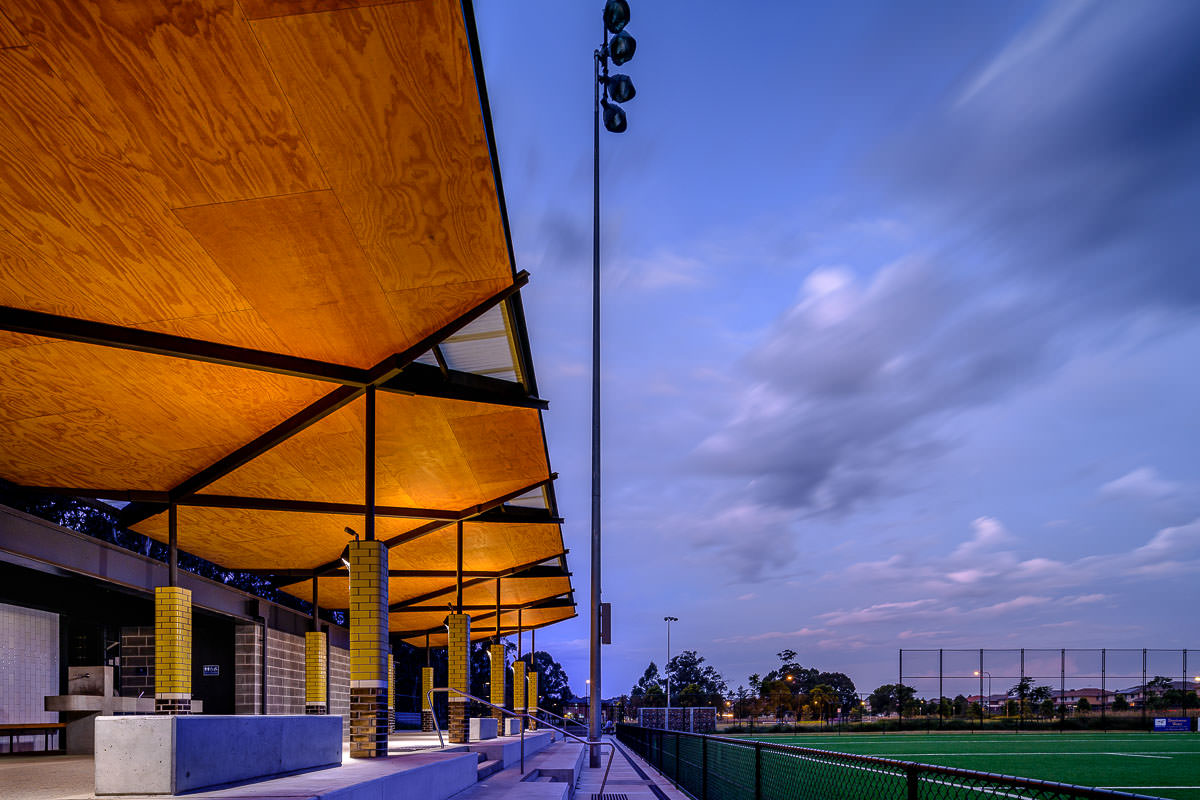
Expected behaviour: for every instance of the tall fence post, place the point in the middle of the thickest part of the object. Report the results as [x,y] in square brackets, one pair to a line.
[704,768]
[910,774]
[758,771]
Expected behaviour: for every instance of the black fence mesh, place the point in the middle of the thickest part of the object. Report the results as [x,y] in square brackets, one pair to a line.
[717,768]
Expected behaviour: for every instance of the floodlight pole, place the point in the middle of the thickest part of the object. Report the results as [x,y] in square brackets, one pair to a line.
[594,686]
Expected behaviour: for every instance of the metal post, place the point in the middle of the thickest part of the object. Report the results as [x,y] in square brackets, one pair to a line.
[1062,689]
[1103,684]
[667,673]
[172,545]
[940,692]
[497,641]
[910,774]
[458,582]
[982,705]
[704,768]
[1145,694]
[316,622]
[1021,694]
[594,694]
[758,771]
[369,466]
[900,693]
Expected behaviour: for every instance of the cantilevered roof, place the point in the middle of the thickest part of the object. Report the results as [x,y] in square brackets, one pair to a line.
[222,224]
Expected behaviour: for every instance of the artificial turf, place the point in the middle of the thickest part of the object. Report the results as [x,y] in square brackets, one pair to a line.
[1156,764]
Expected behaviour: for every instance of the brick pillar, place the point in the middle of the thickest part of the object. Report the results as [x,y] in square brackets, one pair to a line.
[519,688]
[368,649]
[172,650]
[426,710]
[499,671]
[459,656]
[533,699]
[316,685]
[391,712]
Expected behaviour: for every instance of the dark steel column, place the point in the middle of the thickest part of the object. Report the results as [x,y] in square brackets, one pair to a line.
[369,467]
[458,573]
[173,545]
[594,694]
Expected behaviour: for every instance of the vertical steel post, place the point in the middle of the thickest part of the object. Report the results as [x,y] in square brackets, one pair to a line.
[594,693]
[940,692]
[316,622]
[497,641]
[1103,684]
[758,771]
[1062,689]
[1021,694]
[172,545]
[982,704]
[704,768]
[1145,694]
[458,572]
[369,466]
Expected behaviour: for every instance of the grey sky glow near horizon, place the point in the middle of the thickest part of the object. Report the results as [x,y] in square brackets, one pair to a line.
[900,333]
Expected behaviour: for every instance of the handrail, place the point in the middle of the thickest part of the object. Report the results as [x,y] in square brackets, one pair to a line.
[612,748]
[556,716]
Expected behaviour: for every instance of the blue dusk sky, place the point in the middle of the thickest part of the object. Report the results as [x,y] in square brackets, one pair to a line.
[900,330]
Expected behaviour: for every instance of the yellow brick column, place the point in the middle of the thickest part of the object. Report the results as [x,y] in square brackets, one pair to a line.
[391,693]
[459,677]
[172,650]
[519,688]
[368,649]
[426,709]
[533,699]
[316,686]
[499,670]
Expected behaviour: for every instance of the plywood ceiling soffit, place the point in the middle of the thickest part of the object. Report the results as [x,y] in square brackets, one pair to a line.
[387,98]
[482,630]
[263,540]
[436,453]
[129,420]
[183,86]
[86,229]
[514,592]
[483,623]
[9,35]
[490,547]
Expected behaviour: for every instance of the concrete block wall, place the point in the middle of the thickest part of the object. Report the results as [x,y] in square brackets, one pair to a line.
[285,673]
[339,686]
[28,670]
[137,661]
[247,669]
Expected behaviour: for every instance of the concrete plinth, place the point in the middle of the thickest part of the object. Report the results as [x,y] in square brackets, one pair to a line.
[483,728]
[512,726]
[173,754]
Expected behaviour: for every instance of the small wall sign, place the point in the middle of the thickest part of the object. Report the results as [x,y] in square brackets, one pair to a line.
[212,669]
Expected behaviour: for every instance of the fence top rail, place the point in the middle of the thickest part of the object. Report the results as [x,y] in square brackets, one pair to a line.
[1088,792]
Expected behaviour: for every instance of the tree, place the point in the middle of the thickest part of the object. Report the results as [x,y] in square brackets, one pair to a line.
[648,691]
[1083,706]
[960,705]
[1119,703]
[823,699]
[842,686]
[882,700]
[553,684]
[1157,691]
[1042,698]
[702,684]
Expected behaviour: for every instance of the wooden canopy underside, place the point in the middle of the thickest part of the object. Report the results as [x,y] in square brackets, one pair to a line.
[301,179]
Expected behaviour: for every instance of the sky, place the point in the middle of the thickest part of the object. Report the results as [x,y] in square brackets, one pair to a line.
[900,332]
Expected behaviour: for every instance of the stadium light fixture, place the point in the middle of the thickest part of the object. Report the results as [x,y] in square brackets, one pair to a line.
[616,15]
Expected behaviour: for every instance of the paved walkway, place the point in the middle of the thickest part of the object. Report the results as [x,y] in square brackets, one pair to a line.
[630,776]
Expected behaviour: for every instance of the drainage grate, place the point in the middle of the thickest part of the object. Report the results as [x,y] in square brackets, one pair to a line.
[610,797]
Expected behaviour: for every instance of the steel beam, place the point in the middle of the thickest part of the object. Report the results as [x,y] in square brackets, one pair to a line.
[37,323]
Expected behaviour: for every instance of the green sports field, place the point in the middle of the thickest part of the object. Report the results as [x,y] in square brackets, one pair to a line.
[1157,764]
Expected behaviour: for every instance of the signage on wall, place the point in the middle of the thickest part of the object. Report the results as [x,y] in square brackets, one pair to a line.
[1173,724]
[212,669]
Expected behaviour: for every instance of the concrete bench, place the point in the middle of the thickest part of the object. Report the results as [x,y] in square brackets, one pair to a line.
[170,755]
[483,728]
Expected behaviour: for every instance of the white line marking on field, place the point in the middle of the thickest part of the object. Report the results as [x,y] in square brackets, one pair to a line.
[1148,787]
[1137,755]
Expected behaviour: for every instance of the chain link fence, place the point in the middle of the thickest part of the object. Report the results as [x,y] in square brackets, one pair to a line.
[717,768]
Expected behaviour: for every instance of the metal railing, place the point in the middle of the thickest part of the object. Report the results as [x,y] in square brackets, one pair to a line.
[565,721]
[612,749]
[720,768]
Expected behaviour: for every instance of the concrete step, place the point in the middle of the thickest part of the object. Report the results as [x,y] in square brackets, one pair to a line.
[486,769]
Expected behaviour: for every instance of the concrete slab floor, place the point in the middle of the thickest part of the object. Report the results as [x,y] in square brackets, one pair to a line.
[630,776]
[55,777]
